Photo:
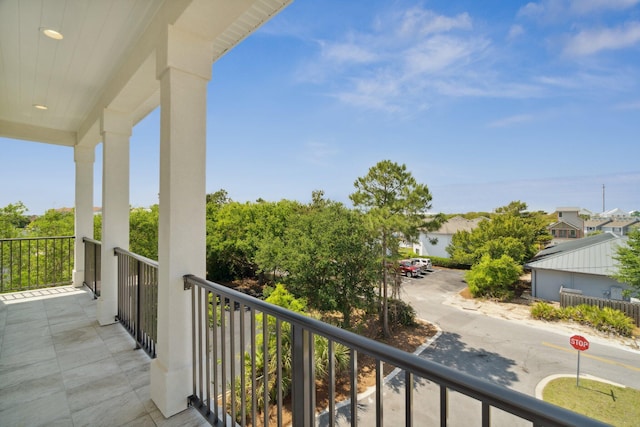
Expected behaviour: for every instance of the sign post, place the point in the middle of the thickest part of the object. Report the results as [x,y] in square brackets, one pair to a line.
[580,343]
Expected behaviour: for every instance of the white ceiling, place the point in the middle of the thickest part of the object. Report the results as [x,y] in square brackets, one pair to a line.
[106,58]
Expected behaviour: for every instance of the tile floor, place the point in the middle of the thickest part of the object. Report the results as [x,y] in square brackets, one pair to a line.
[59,367]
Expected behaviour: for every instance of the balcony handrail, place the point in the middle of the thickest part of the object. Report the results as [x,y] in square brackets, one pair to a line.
[36,262]
[135,256]
[138,298]
[511,401]
[38,238]
[92,266]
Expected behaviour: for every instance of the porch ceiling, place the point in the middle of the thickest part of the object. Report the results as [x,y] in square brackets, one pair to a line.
[105,60]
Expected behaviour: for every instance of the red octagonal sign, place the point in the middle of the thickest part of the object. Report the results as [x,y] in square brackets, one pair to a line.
[579,342]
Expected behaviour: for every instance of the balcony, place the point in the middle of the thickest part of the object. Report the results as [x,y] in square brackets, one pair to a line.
[59,366]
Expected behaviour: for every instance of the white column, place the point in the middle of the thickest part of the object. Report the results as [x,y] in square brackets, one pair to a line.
[115,128]
[84,158]
[184,68]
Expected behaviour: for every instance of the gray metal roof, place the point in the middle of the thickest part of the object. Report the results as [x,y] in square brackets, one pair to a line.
[595,256]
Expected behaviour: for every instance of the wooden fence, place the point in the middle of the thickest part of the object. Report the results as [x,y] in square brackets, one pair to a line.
[570,299]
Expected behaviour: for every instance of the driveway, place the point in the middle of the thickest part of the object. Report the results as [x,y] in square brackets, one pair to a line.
[500,345]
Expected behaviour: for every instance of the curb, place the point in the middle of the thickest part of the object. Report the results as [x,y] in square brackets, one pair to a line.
[543,383]
[368,392]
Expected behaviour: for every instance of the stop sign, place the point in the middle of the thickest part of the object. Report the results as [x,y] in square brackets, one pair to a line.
[579,342]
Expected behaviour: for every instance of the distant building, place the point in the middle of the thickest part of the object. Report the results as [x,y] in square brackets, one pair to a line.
[595,224]
[569,225]
[584,265]
[441,238]
[620,227]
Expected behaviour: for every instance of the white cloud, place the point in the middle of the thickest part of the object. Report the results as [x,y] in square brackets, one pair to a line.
[553,10]
[588,6]
[546,10]
[588,42]
[347,53]
[439,53]
[394,67]
[515,31]
[418,21]
[511,120]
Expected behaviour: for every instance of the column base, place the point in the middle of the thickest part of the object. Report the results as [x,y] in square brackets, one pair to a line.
[78,278]
[170,390]
[106,311]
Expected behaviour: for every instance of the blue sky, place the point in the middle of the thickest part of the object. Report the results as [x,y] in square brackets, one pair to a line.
[485,102]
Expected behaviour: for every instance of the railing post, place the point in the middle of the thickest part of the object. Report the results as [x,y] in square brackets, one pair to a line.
[138,287]
[301,377]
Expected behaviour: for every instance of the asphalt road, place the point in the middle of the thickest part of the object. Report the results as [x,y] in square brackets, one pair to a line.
[505,352]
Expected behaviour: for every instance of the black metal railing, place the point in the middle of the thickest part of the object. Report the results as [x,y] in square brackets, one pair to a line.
[35,262]
[92,253]
[232,363]
[138,298]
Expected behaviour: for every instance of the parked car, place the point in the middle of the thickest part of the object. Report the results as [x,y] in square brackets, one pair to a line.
[408,268]
[424,263]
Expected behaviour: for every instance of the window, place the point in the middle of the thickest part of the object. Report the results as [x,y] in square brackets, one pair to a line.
[559,214]
[572,233]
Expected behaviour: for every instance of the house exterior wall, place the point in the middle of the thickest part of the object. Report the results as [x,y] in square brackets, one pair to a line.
[569,216]
[545,284]
[439,249]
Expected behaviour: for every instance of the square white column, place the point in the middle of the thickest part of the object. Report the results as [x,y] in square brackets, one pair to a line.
[184,68]
[115,130]
[84,158]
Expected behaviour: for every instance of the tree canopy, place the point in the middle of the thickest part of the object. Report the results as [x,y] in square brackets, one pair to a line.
[628,257]
[511,231]
[12,220]
[395,205]
[54,222]
[330,258]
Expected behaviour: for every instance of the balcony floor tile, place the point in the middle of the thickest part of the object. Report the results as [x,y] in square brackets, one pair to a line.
[59,367]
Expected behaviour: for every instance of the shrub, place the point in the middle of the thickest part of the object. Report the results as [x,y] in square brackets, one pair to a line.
[602,319]
[448,263]
[544,311]
[401,313]
[493,277]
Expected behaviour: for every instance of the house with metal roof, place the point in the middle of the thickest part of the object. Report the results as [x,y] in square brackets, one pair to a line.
[434,243]
[594,224]
[620,227]
[584,265]
[569,225]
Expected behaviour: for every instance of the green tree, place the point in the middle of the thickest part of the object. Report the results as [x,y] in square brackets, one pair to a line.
[510,231]
[12,220]
[493,277]
[628,257]
[330,258]
[236,232]
[395,205]
[143,231]
[54,222]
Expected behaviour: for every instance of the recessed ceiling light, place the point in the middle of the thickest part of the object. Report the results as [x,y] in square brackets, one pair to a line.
[52,34]
[40,107]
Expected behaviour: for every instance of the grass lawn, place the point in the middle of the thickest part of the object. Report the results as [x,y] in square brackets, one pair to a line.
[605,402]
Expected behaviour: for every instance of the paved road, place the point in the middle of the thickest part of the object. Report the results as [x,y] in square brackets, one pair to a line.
[508,353]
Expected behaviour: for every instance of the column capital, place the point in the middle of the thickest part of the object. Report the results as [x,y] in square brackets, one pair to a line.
[116,122]
[185,51]
[84,154]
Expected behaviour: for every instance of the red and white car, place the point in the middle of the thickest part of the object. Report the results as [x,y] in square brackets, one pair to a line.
[408,268]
